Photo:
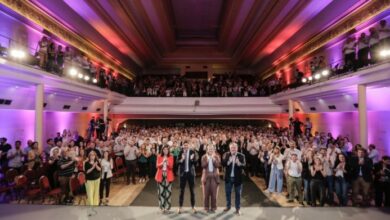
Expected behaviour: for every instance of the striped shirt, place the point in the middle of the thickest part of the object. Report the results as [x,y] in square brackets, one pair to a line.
[68,171]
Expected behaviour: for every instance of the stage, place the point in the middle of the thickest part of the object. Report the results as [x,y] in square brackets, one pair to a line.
[17,212]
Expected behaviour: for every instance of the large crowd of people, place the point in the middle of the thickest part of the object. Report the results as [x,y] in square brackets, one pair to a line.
[219,86]
[316,168]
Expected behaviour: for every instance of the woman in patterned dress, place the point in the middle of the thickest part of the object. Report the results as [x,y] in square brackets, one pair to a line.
[164,178]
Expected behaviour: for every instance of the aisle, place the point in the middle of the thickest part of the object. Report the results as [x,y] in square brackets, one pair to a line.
[251,195]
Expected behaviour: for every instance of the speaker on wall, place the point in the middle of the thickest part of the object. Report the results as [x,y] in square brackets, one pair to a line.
[356,105]
[66,107]
[332,107]
[84,108]
[313,109]
[98,109]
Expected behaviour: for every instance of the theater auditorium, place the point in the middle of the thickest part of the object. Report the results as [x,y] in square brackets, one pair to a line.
[194,109]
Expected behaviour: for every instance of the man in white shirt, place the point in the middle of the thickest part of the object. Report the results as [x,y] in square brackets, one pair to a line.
[293,171]
[373,154]
[131,153]
[384,33]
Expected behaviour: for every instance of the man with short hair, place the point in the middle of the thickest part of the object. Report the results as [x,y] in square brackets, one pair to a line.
[293,172]
[66,168]
[15,157]
[361,175]
[187,162]
[234,162]
[4,148]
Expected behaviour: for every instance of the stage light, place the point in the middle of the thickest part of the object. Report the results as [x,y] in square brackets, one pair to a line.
[18,54]
[94,80]
[384,53]
[269,125]
[80,76]
[310,78]
[317,76]
[304,80]
[72,72]
[325,72]
[86,78]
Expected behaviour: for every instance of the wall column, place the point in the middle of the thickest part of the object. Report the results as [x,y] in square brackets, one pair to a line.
[290,108]
[39,98]
[362,102]
[105,115]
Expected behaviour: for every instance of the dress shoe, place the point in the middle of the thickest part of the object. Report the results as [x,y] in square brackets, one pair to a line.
[226,209]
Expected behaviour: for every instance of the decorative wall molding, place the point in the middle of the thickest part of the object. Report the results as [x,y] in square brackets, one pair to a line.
[346,24]
[33,13]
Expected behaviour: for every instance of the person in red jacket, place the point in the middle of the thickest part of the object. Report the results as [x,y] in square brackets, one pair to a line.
[164,178]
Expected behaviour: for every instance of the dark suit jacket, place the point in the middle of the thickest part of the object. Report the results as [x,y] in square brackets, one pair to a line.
[367,169]
[191,164]
[238,170]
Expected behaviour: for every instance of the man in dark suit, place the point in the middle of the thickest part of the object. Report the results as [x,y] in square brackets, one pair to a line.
[187,162]
[361,175]
[234,163]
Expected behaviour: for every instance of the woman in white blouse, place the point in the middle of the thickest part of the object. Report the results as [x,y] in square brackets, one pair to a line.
[107,165]
[276,176]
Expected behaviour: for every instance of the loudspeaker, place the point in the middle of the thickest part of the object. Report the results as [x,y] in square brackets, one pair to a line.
[98,109]
[356,105]
[84,108]
[332,107]
[66,107]
[313,109]
[44,105]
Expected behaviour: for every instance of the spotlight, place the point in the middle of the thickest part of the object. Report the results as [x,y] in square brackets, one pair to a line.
[317,76]
[269,125]
[86,78]
[80,76]
[384,53]
[325,72]
[18,54]
[304,80]
[310,78]
[72,72]
[94,80]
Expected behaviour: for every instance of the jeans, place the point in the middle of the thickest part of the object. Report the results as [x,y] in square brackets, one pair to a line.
[317,191]
[330,189]
[306,190]
[276,176]
[341,186]
[237,190]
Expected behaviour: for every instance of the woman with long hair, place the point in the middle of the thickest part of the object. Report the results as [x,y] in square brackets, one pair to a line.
[341,183]
[317,188]
[276,177]
[93,170]
[107,166]
[210,178]
[164,178]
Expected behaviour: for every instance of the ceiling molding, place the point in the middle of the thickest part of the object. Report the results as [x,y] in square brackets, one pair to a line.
[344,25]
[33,13]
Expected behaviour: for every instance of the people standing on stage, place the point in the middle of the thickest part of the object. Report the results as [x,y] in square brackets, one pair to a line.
[210,163]
[107,165]
[294,181]
[93,170]
[187,174]
[276,176]
[234,162]
[164,178]
[131,151]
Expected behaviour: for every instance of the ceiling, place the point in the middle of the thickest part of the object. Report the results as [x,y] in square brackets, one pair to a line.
[224,34]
